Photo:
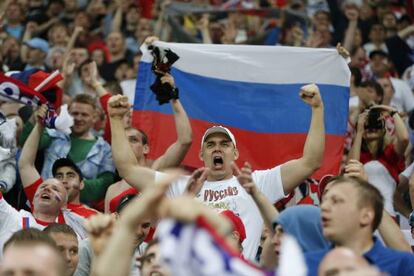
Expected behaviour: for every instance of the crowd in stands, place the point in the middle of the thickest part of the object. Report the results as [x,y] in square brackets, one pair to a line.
[91,202]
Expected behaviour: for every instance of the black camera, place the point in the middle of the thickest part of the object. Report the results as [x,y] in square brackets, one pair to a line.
[163,59]
[374,120]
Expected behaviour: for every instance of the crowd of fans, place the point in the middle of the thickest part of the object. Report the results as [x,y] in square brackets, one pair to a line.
[89,203]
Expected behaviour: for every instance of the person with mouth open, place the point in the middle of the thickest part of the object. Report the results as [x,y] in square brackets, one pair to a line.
[219,187]
[63,169]
[48,200]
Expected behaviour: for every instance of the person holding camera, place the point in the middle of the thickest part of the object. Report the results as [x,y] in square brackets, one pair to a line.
[381,153]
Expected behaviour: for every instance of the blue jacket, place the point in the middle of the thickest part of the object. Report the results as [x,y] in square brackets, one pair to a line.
[98,160]
[394,262]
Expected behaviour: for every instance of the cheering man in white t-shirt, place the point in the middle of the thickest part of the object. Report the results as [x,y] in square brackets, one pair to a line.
[220,188]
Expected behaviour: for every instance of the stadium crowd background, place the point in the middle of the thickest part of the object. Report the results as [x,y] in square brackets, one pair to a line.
[96,46]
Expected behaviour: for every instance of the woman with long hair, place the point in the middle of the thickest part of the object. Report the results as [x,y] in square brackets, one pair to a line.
[381,152]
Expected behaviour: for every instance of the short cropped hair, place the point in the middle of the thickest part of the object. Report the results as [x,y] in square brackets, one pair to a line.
[34,237]
[143,134]
[368,196]
[29,236]
[60,228]
[85,99]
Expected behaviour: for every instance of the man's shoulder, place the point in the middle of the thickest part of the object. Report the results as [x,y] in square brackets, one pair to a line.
[386,252]
[101,143]
[390,260]
[82,210]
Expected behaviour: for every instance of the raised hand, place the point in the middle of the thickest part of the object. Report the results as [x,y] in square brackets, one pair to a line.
[354,168]
[342,51]
[118,106]
[352,13]
[195,183]
[310,94]
[91,78]
[100,229]
[244,176]
[167,78]
[151,39]
[41,114]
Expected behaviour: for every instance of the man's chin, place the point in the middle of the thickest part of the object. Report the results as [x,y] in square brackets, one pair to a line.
[221,174]
[78,131]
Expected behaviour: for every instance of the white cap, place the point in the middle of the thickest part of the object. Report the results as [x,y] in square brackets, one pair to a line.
[218,129]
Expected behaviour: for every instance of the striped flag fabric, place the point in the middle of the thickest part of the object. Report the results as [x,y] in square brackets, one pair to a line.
[196,249]
[253,91]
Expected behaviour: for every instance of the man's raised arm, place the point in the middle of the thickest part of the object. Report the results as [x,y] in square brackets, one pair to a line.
[177,151]
[296,171]
[28,171]
[124,158]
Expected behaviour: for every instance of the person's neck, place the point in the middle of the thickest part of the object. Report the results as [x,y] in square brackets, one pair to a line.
[37,64]
[219,178]
[373,147]
[143,162]
[117,56]
[76,200]
[86,136]
[378,43]
[46,217]
[360,244]
[131,26]
[13,23]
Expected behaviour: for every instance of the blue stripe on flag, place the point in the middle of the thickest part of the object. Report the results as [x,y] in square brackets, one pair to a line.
[263,108]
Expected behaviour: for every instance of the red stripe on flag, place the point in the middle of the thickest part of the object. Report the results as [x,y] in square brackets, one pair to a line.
[262,150]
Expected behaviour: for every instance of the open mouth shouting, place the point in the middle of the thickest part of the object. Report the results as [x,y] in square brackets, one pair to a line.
[45,196]
[218,162]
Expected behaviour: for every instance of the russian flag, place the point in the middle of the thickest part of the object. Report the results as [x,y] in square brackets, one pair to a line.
[253,91]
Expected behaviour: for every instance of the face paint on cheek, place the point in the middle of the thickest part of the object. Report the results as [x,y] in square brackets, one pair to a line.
[57,196]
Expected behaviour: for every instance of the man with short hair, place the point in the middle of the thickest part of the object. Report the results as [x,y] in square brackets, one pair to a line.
[36,54]
[91,248]
[91,154]
[151,261]
[47,202]
[32,252]
[63,169]
[119,54]
[351,211]
[67,242]
[220,188]
[14,16]
[66,171]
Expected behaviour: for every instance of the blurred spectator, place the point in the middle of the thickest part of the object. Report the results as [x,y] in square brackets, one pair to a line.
[119,54]
[11,54]
[36,55]
[14,17]
[58,35]
[376,39]
[91,154]
[37,254]
[67,242]
[54,58]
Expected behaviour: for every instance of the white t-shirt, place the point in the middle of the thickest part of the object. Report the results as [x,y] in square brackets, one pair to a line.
[379,177]
[408,171]
[369,47]
[403,98]
[229,194]
[12,221]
